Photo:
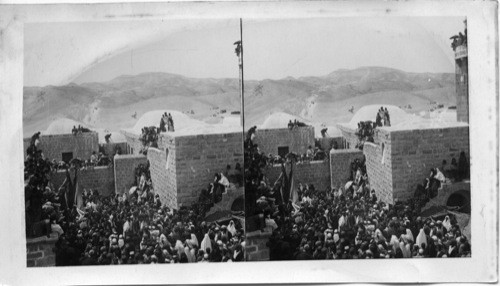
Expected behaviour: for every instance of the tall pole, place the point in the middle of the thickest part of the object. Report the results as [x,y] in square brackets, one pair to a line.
[242,81]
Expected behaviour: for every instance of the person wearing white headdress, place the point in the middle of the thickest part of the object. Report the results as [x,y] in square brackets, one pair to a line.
[231,228]
[447,223]
[179,247]
[379,236]
[194,240]
[189,251]
[421,238]
[405,248]
[206,243]
[394,243]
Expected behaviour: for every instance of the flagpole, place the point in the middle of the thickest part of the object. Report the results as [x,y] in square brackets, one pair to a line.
[242,82]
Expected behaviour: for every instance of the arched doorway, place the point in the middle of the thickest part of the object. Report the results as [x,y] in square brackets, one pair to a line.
[460,199]
[238,204]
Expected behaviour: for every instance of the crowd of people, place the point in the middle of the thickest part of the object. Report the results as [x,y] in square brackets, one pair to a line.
[438,176]
[166,123]
[366,129]
[295,124]
[382,118]
[77,131]
[149,138]
[132,228]
[149,135]
[347,222]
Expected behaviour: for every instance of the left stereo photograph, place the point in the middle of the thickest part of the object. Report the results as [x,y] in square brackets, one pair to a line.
[133,142]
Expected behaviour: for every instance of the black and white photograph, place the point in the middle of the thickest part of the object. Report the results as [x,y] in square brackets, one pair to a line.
[292,141]
[370,160]
[137,158]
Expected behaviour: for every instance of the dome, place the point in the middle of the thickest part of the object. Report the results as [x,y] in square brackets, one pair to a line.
[280,120]
[62,126]
[369,112]
[184,124]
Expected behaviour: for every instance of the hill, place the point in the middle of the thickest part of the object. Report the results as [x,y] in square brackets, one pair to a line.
[326,99]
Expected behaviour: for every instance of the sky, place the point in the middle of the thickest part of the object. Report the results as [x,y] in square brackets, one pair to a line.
[61,53]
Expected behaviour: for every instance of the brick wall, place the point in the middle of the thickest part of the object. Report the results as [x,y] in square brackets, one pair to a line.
[414,152]
[98,178]
[255,245]
[39,251]
[297,139]
[124,171]
[199,157]
[315,172]
[164,179]
[340,165]
[53,146]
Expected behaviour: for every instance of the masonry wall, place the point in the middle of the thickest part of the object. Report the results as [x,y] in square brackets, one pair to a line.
[52,146]
[163,175]
[340,165]
[414,152]
[40,251]
[314,172]
[462,89]
[255,245]
[199,157]
[124,171]
[134,145]
[297,139]
[379,173]
[350,138]
[98,178]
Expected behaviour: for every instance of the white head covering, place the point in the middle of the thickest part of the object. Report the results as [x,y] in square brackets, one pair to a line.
[194,240]
[231,228]
[447,223]
[206,243]
[421,238]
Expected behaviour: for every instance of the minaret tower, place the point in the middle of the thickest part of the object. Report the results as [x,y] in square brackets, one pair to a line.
[459,46]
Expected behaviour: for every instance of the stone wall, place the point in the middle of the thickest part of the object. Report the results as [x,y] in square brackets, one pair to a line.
[255,245]
[297,139]
[134,145]
[462,89]
[53,146]
[40,251]
[163,174]
[199,157]
[350,138]
[124,171]
[98,178]
[340,165]
[379,174]
[314,172]
[414,152]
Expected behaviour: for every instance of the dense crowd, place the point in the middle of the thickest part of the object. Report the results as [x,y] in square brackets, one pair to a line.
[149,135]
[77,131]
[133,228]
[347,222]
[295,124]
[366,129]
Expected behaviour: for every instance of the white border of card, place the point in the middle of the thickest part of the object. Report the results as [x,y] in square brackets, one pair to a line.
[483,69]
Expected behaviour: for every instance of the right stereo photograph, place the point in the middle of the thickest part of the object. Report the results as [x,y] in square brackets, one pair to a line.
[356,138]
